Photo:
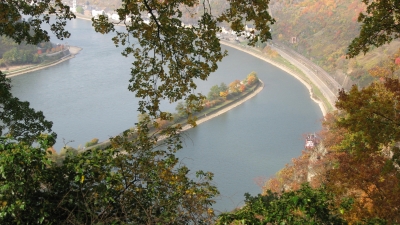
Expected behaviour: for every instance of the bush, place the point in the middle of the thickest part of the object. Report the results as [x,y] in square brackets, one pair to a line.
[67,149]
[94,141]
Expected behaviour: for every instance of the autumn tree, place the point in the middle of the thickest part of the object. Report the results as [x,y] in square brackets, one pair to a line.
[371,117]
[388,68]
[242,88]
[224,94]
[234,86]
[362,176]
[363,137]
[373,188]
[365,133]
[251,78]
[379,25]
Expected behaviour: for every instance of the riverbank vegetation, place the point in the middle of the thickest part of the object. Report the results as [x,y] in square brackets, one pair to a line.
[18,55]
[218,98]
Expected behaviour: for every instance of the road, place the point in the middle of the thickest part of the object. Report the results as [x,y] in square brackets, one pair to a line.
[327,85]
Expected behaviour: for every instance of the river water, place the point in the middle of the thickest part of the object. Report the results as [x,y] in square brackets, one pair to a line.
[87,97]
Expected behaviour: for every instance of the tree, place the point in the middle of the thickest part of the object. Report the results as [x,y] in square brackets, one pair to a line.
[234,86]
[132,181]
[214,93]
[224,94]
[368,123]
[223,87]
[304,206]
[252,78]
[380,25]
[363,136]
[17,118]
[389,68]
[242,87]
[373,187]
[79,9]
[371,117]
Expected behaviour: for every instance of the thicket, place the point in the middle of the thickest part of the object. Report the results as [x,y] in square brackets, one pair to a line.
[17,54]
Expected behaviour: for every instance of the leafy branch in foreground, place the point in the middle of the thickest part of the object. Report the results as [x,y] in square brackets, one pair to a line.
[136,181]
[17,118]
[169,56]
[22,21]
[380,25]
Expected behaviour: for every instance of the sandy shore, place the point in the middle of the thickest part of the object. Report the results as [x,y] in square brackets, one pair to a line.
[320,103]
[27,69]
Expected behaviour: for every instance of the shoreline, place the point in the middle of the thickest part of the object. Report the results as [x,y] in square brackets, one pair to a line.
[73,51]
[227,108]
[211,116]
[281,67]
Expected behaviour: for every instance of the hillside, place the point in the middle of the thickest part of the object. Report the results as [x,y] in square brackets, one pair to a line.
[322,30]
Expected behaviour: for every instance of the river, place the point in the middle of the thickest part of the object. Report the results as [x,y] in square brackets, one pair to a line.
[87,97]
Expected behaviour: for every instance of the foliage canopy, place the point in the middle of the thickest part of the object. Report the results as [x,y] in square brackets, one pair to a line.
[380,25]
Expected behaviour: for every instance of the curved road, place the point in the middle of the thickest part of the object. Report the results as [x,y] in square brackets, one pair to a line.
[327,85]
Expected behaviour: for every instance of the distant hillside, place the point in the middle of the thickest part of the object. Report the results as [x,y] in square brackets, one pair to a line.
[322,30]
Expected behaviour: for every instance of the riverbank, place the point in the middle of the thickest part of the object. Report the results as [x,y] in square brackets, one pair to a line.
[227,108]
[30,68]
[281,67]
[202,119]
[325,105]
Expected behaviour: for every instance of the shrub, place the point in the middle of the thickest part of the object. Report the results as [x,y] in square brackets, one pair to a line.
[94,141]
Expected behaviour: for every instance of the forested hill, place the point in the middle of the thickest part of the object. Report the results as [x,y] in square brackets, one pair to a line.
[323,29]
